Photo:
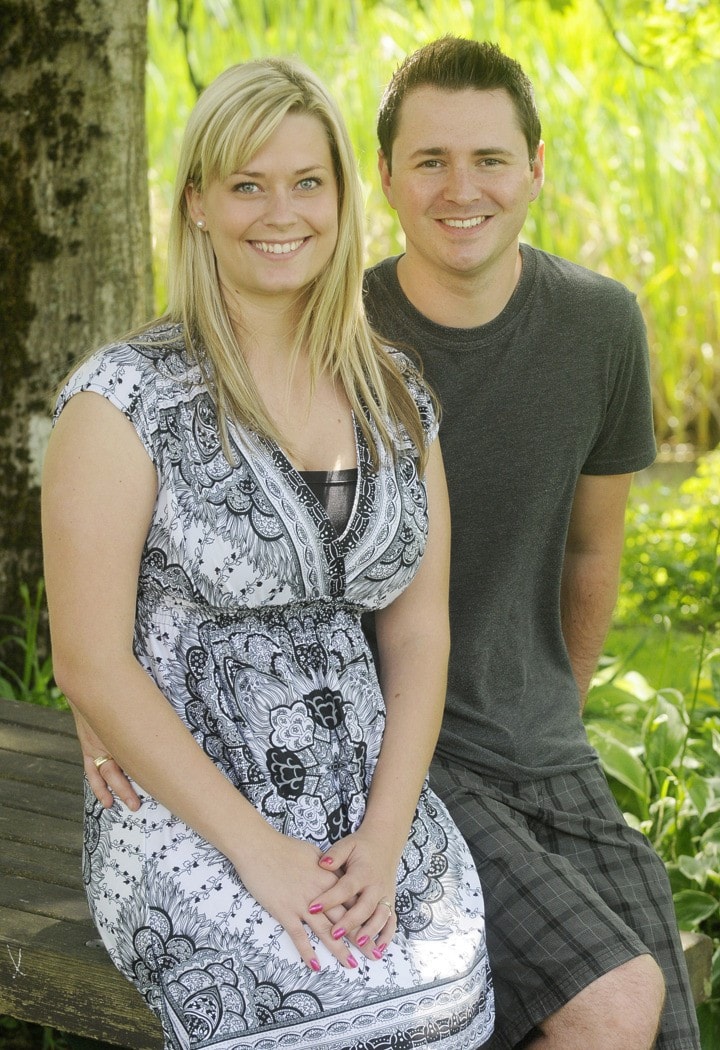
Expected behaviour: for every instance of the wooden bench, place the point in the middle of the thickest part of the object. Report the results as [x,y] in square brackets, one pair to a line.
[53,968]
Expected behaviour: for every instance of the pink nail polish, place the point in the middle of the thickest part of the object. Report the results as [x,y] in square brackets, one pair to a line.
[314,909]
[338,933]
[377,954]
[315,965]
[382,948]
[327,860]
[362,941]
[352,961]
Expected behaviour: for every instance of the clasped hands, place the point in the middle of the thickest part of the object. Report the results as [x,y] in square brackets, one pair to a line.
[345,896]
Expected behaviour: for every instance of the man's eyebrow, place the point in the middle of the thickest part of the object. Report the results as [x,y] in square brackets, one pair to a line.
[442,151]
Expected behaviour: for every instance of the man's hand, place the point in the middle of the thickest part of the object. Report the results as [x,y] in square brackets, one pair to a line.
[106,778]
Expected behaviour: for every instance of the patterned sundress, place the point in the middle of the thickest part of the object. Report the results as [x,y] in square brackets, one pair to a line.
[249,620]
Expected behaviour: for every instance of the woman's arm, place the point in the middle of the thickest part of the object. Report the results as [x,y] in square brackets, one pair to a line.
[413,646]
[99,492]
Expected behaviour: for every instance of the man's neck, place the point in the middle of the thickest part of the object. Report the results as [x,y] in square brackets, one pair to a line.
[459,300]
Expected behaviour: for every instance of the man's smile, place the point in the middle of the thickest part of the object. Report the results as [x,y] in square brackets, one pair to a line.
[464,224]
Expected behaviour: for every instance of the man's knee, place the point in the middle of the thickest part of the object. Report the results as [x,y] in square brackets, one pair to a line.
[620,1010]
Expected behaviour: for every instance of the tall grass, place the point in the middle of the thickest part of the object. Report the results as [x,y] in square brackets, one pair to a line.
[633,179]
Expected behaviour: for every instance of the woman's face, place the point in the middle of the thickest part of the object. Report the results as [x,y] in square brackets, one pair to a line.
[274,224]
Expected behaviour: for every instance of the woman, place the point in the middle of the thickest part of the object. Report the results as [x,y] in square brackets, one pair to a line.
[225,493]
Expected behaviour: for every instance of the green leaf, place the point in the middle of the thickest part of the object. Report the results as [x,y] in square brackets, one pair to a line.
[636,684]
[7,689]
[664,734]
[619,762]
[692,907]
[702,794]
[711,836]
[695,868]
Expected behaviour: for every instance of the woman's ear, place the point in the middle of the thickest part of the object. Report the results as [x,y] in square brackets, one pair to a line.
[194,202]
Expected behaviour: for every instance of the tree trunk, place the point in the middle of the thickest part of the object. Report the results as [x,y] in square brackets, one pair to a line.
[75,234]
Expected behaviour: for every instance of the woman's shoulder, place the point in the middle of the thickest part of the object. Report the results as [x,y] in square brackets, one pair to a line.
[409,366]
[131,367]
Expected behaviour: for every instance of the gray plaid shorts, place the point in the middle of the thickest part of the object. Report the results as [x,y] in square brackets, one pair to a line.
[571,892]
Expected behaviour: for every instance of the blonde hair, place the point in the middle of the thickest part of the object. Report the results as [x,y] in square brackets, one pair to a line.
[232,120]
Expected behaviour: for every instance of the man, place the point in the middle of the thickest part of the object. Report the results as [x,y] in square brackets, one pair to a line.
[542,373]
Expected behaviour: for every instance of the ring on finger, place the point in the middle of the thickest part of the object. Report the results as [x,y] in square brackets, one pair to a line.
[386,904]
[101,760]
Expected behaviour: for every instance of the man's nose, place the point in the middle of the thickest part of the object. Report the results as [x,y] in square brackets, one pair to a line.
[462,185]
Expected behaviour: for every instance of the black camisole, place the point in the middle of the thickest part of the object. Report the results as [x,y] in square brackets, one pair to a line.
[335,489]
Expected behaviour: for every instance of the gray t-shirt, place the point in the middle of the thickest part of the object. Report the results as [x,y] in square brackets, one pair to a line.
[555,386]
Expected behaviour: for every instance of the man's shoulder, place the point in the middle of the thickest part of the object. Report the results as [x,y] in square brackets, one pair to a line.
[381,272]
[571,278]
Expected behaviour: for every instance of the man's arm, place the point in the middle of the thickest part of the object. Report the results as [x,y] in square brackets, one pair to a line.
[591,569]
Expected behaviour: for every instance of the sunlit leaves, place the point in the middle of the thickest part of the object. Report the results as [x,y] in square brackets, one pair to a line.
[670,562]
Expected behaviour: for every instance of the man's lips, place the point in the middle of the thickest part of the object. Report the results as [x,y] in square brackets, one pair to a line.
[465,224]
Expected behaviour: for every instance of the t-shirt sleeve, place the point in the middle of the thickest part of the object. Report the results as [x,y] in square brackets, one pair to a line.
[626,441]
[124,378]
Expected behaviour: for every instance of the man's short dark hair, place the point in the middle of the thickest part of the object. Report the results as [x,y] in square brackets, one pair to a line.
[455,64]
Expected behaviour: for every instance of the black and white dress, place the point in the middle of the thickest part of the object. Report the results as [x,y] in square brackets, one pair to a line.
[248,619]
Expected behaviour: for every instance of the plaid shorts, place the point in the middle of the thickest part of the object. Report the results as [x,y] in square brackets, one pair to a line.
[571,892]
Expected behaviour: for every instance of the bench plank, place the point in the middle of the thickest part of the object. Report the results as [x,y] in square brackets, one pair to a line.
[55,832]
[64,967]
[39,799]
[42,770]
[30,859]
[30,740]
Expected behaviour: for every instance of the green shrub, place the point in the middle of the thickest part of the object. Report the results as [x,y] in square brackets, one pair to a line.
[671,551]
[34,682]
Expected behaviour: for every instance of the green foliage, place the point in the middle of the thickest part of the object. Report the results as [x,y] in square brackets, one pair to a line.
[35,681]
[631,114]
[670,560]
[661,753]
[666,32]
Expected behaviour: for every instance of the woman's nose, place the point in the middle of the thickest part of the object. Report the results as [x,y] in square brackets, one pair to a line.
[280,210]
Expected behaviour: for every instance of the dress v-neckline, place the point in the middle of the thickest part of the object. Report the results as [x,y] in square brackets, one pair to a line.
[300,484]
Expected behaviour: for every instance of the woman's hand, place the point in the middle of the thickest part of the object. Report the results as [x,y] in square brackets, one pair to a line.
[107,779]
[367,871]
[284,875]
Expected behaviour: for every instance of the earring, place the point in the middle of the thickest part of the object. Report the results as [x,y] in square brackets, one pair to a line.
[200,224]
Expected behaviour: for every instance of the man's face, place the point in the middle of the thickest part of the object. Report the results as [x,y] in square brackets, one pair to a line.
[461,180]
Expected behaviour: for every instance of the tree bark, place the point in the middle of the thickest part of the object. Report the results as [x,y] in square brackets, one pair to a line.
[75,234]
